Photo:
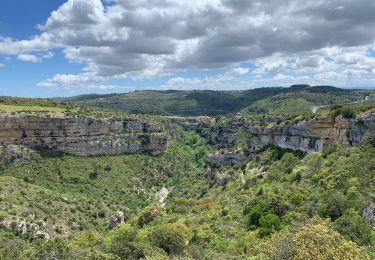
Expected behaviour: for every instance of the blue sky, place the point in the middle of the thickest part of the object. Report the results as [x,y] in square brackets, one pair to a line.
[62,48]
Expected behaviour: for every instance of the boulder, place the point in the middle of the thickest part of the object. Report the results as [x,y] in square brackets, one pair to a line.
[116,220]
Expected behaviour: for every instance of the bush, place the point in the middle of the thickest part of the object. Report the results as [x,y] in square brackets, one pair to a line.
[94,174]
[269,224]
[354,227]
[297,198]
[170,238]
[148,214]
[52,249]
[101,214]
[123,243]
[316,241]
[336,205]
[348,113]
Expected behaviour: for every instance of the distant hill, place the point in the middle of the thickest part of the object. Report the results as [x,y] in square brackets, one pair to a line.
[296,99]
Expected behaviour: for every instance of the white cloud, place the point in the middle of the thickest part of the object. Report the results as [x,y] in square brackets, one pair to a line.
[227,80]
[239,71]
[70,80]
[145,39]
[28,58]
[48,55]
[2,65]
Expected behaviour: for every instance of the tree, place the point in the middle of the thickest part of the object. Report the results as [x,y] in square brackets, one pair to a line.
[269,224]
[317,241]
[354,227]
[171,238]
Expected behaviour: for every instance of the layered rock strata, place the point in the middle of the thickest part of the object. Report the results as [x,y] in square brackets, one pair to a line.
[307,136]
[83,136]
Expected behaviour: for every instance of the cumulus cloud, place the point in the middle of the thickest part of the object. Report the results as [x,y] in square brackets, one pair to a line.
[119,39]
[2,65]
[28,58]
[230,79]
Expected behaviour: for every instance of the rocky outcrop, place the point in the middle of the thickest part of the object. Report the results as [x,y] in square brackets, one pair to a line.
[218,160]
[14,154]
[307,136]
[82,136]
[162,195]
[369,214]
[28,227]
[116,220]
[214,162]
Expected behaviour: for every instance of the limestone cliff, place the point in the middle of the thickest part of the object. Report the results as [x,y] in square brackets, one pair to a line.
[306,136]
[82,136]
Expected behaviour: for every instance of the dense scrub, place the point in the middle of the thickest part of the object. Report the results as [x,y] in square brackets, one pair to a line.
[279,205]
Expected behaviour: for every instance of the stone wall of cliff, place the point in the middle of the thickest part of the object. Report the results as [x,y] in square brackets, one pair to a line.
[306,136]
[83,136]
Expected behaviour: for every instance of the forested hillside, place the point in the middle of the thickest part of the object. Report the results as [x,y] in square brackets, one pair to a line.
[296,100]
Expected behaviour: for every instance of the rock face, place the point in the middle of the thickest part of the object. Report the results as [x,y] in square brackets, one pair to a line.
[306,136]
[369,214]
[14,154]
[116,220]
[82,136]
[218,160]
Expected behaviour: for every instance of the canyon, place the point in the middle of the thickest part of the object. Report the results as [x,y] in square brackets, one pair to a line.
[80,136]
[84,136]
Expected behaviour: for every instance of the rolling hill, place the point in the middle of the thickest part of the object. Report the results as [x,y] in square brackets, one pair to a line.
[294,100]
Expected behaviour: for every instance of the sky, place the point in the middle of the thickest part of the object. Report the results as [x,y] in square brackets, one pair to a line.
[63,48]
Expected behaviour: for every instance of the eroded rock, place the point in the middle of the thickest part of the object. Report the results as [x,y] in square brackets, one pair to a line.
[219,160]
[116,220]
[369,214]
[80,136]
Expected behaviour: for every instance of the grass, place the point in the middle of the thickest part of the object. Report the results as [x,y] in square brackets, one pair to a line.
[15,108]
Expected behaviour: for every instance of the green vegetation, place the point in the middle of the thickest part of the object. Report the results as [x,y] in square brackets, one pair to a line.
[278,204]
[296,100]
[14,108]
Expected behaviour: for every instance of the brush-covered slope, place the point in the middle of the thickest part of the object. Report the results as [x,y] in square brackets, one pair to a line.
[275,204]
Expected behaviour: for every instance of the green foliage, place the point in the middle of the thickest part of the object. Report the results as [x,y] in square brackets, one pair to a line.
[316,241]
[268,224]
[148,214]
[354,227]
[52,249]
[335,206]
[271,206]
[274,101]
[170,238]
[346,112]
[123,243]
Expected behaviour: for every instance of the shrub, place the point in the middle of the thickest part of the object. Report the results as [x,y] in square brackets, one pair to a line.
[335,206]
[297,198]
[94,173]
[269,224]
[316,241]
[101,214]
[354,227]
[123,243]
[170,238]
[148,214]
[52,249]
